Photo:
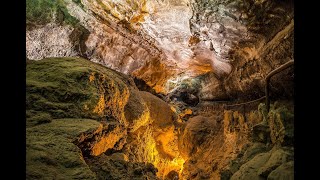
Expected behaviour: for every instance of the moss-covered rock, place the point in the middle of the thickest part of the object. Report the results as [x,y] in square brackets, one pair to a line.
[74,88]
[261,133]
[263,164]
[63,93]
[41,12]
[51,153]
[283,172]
[65,100]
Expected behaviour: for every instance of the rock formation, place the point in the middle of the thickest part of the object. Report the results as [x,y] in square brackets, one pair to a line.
[166,42]
[141,89]
[105,113]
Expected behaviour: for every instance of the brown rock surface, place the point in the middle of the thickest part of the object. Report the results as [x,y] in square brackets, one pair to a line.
[284,171]
[136,111]
[281,122]
[256,160]
[263,164]
[236,42]
[197,130]
[190,52]
[154,138]
[111,167]
[104,138]
[137,124]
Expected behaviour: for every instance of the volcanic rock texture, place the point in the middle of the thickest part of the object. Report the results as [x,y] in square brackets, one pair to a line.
[90,122]
[227,46]
[82,118]
[145,89]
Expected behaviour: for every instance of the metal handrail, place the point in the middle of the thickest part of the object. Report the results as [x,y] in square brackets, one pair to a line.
[239,104]
[268,77]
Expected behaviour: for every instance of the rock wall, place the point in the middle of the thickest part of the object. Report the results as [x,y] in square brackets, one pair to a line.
[253,37]
[233,44]
[97,112]
[188,52]
[102,121]
[213,137]
[99,36]
[237,142]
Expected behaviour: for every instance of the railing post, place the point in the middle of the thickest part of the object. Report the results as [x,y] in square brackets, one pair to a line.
[267,94]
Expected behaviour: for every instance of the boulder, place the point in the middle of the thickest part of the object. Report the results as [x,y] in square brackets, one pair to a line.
[283,172]
[263,164]
[160,112]
[278,157]
[252,151]
[196,131]
[136,111]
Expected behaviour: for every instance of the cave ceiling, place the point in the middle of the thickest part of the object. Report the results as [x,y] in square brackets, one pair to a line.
[226,46]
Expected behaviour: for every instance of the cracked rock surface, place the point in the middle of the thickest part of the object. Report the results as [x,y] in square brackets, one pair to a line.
[228,46]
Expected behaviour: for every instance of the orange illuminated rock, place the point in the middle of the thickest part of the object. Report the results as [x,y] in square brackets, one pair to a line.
[196,131]
[188,52]
[136,111]
[157,41]
[186,112]
[102,139]
[152,137]
[160,112]
[106,142]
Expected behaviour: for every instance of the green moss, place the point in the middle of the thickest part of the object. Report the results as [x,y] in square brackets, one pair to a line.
[41,12]
[61,88]
[37,117]
[61,97]
[67,16]
[51,153]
